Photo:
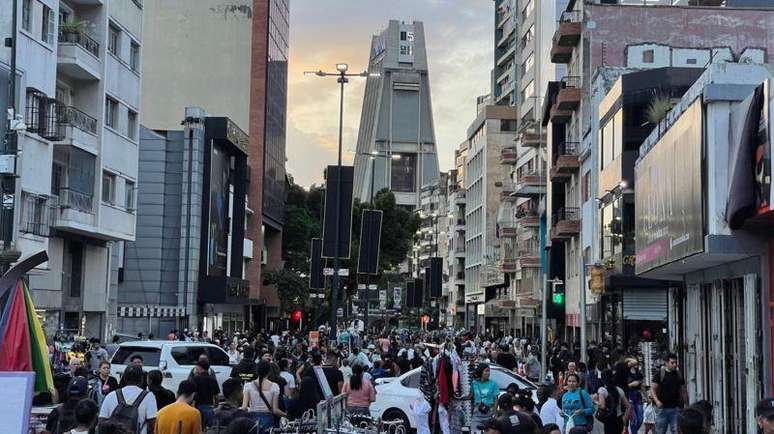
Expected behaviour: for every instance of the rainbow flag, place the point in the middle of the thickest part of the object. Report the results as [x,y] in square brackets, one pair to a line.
[22,342]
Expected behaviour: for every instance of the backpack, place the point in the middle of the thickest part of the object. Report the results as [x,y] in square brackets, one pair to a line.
[126,414]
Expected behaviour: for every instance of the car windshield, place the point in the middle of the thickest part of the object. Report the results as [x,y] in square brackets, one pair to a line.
[124,354]
[503,378]
[411,381]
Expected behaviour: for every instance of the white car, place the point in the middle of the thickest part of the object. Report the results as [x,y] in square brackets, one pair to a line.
[394,396]
[174,359]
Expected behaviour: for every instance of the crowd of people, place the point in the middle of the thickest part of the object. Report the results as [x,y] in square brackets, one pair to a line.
[287,375]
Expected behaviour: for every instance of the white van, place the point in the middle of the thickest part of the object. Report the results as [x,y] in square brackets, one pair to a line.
[174,359]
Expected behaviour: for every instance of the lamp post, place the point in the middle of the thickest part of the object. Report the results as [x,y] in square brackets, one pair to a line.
[342,78]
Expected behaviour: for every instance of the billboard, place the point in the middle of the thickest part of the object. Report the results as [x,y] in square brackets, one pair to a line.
[217,241]
[668,195]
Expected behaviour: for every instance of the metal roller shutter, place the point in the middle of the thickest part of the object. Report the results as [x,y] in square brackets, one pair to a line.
[645,304]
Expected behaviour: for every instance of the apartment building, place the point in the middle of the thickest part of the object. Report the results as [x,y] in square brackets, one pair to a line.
[78,92]
[598,43]
[455,262]
[485,186]
[523,31]
[431,242]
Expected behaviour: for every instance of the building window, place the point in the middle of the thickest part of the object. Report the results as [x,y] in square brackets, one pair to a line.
[114,39]
[405,50]
[49,22]
[528,92]
[131,127]
[129,196]
[134,56]
[27,15]
[528,63]
[111,112]
[108,187]
[35,214]
[648,56]
[527,10]
[402,36]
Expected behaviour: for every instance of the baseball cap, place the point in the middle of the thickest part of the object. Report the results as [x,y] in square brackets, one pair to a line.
[765,408]
[78,387]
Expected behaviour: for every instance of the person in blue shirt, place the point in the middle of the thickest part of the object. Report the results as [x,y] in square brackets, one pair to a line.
[484,394]
[576,402]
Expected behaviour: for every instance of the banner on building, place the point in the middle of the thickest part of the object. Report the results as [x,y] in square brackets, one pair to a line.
[668,195]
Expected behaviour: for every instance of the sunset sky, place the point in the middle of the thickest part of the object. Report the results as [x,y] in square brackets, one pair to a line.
[459,37]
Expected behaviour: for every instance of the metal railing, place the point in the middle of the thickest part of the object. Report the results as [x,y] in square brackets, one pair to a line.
[40,116]
[570,17]
[571,81]
[68,115]
[76,200]
[568,148]
[81,39]
[565,214]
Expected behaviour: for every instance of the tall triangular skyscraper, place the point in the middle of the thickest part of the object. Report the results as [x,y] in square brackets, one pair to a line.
[396,141]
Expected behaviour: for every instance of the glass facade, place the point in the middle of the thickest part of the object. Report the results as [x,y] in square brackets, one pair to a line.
[274,185]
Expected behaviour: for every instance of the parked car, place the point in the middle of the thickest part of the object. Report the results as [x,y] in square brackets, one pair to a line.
[174,359]
[394,396]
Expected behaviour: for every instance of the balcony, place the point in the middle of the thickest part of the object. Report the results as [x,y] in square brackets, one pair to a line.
[565,224]
[76,127]
[528,220]
[507,192]
[531,184]
[78,55]
[76,212]
[570,94]
[529,259]
[459,198]
[460,278]
[508,265]
[570,26]
[509,228]
[559,116]
[532,139]
[508,156]
[565,162]
[460,225]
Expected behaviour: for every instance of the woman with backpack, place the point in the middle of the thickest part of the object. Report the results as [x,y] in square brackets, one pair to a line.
[614,407]
[577,406]
[261,398]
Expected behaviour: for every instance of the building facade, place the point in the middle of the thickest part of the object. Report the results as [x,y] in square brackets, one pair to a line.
[78,96]
[190,253]
[709,158]
[455,261]
[595,56]
[251,39]
[486,186]
[397,118]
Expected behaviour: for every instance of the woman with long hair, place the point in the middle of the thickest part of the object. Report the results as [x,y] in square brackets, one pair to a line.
[360,392]
[613,405]
[261,398]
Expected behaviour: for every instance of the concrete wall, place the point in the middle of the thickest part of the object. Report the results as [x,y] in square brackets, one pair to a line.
[209,40]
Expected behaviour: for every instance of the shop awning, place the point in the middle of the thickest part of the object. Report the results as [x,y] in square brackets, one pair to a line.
[624,281]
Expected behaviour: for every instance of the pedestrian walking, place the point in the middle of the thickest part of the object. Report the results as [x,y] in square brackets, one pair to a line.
[669,394]
[180,417]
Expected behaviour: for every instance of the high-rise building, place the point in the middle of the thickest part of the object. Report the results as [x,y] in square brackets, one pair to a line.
[78,94]
[189,255]
[396,122]
[232,60]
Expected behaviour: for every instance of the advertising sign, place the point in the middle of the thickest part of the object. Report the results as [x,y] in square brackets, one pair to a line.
[217,244]
[396,297]
[668,195]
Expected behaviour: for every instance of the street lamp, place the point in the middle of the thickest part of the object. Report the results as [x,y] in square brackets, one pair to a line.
[342,78]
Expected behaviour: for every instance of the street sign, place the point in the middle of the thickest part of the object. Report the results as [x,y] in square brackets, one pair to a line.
[396,297]
[361,286]
[340,313]
[373,286]
[342,271]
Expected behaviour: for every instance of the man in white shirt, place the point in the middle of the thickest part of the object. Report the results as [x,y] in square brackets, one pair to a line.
[290,388]
[146,411]
[550,412]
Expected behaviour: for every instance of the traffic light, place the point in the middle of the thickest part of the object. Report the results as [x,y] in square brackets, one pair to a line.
[558,298]
[297,315]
